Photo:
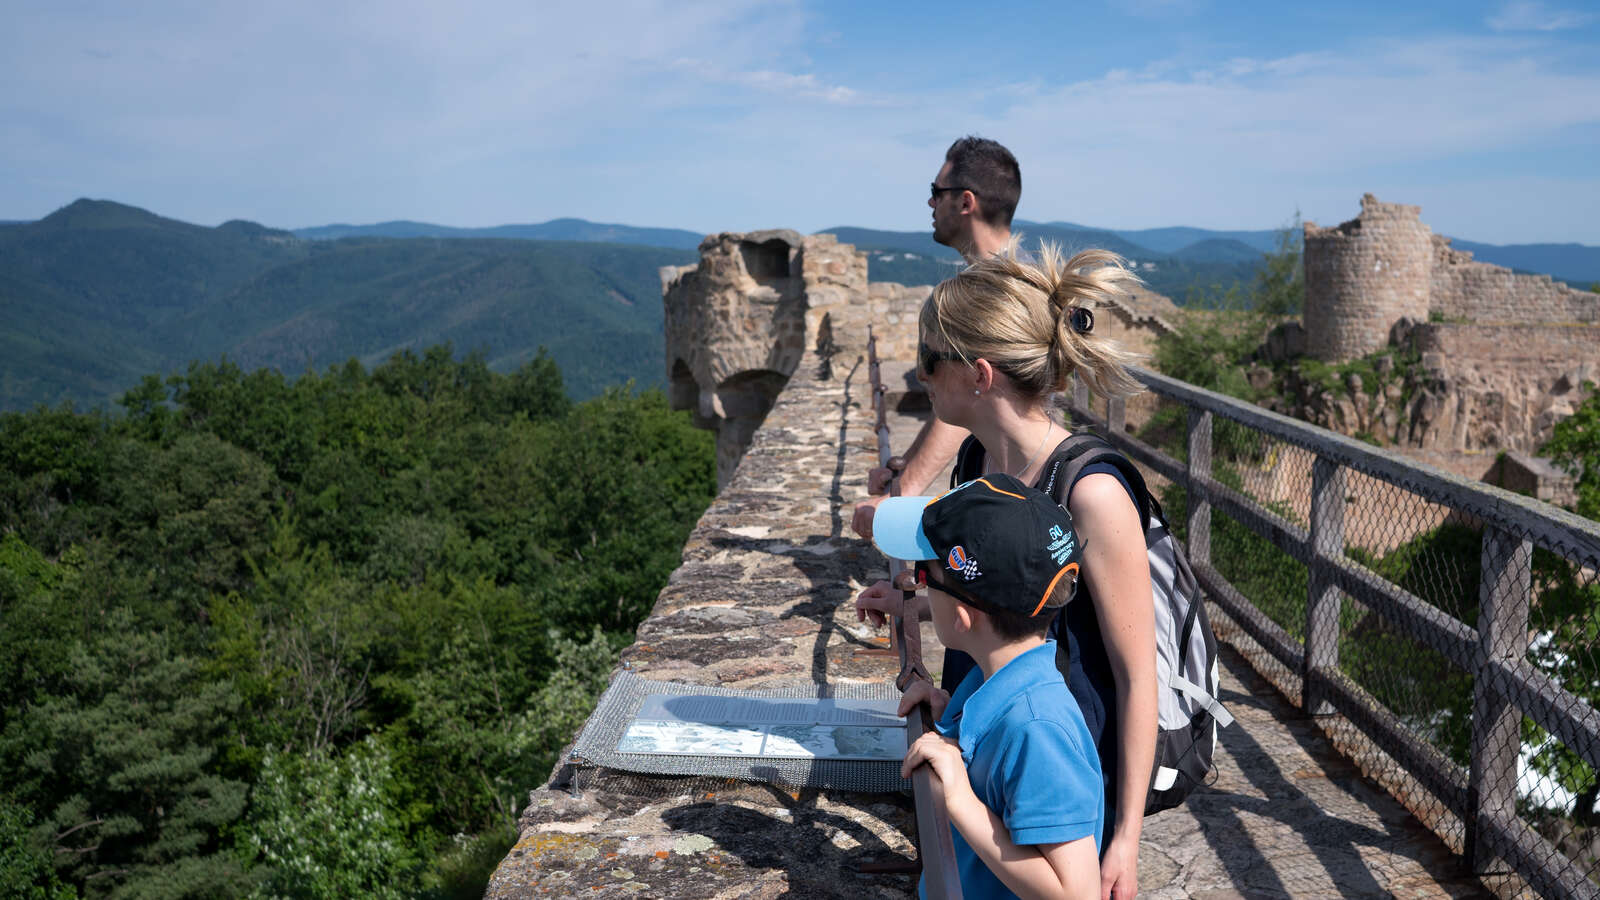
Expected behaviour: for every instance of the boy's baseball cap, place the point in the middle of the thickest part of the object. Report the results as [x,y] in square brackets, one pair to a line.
[999,540]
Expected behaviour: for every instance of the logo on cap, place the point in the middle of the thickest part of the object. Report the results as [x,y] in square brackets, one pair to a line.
[959,561]
[1061,544]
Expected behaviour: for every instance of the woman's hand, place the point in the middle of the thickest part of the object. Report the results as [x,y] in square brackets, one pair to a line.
[1119,870]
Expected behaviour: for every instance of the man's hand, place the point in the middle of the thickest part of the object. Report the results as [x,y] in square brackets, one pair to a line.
[861,522]
[878,477]
[920,691]
[1119,870]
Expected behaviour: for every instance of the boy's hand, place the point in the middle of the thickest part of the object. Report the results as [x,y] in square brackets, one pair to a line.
[922,690]
[944,755]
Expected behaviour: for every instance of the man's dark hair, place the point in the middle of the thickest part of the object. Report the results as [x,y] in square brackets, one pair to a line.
[990,171]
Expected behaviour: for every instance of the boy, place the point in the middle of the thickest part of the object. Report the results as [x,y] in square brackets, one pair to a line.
[1021,777]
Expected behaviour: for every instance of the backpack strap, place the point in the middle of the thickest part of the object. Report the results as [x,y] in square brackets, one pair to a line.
[1085,449]
[969,462]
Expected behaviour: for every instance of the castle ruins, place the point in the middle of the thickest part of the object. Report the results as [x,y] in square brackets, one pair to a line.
[1503,355]
[737,324]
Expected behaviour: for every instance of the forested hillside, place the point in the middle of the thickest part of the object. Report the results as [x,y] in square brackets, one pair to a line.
[316,637]
[97,294]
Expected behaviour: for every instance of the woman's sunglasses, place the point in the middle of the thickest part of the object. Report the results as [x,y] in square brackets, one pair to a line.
[929,358]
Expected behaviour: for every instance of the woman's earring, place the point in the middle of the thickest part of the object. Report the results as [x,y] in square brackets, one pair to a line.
[976,392]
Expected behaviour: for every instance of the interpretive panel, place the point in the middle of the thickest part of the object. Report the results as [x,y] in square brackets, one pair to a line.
[780,728]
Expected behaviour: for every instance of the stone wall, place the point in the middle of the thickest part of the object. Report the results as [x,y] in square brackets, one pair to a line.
[1497,386]
[1464,288]
[1364,275]
[761,600]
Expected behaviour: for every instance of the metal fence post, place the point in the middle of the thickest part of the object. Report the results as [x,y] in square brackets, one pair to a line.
[1080,393]
[1323,600]
[1116,415]
[1199,518]
[1505,589]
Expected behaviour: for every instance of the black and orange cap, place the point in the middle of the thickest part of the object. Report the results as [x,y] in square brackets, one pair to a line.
[998,540]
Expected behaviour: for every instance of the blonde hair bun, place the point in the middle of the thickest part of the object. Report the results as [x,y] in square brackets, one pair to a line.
[1033,319]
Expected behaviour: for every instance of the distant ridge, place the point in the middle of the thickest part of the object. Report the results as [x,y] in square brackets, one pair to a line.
[553,230]
[98,294]
[1576,264]
[1219,250]
[1174,239]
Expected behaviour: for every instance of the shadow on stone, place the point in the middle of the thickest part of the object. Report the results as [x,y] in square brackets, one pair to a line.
[811,857]
[1252,851]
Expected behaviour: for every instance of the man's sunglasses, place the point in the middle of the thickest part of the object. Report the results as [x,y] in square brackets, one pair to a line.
[929,358]
[934,190]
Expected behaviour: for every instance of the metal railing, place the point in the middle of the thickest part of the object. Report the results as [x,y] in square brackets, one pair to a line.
[1448,630]
[935,845]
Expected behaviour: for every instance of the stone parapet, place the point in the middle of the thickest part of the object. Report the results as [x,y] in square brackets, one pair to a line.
[763,599]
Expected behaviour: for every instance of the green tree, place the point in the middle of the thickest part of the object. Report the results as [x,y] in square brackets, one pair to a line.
[414,578]
[25,869]
[326,826]
[119,767]
[1575,446]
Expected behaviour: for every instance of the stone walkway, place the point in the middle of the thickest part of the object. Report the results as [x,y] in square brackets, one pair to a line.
[763,599]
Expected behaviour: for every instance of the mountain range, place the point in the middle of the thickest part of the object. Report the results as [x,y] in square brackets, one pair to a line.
[1192,256]
[98,293]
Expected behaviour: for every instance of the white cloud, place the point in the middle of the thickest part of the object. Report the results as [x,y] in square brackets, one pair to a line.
[724,114]
[1531,15]
[803,86]
[329,100]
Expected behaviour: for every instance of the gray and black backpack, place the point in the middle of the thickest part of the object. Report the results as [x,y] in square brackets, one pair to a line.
[1186,650]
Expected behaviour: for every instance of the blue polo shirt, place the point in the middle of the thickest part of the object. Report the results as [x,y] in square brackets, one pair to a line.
[1029,757]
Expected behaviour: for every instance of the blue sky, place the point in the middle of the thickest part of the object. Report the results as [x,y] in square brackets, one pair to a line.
[712,115]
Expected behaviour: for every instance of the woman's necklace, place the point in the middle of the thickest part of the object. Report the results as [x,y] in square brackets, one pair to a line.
[1050,428]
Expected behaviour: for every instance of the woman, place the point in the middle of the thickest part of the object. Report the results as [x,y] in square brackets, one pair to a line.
[998,340]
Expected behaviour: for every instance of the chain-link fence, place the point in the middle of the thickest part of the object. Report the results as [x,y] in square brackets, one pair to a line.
[1445,632]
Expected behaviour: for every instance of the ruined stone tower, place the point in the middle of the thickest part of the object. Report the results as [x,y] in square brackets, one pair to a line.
[737,324]
[1363,276]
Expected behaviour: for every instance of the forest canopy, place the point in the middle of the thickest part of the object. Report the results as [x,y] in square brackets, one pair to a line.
[316,637]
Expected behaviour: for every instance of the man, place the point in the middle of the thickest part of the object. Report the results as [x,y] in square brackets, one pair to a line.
[973,198]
